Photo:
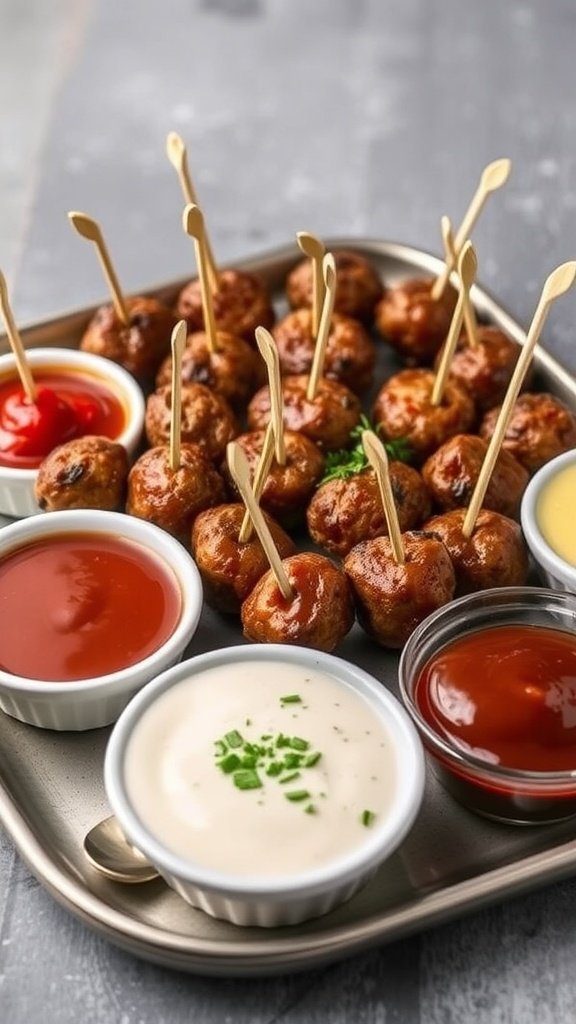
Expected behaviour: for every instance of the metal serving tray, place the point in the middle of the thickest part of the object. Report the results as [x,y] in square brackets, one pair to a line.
[51,789]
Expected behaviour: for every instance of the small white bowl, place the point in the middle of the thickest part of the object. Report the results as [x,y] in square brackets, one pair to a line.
[92,703]
[285,900]
[17,498]
[554,570]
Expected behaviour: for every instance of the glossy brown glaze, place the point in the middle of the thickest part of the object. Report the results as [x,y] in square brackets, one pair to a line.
[350,353]
[241,304]
[494,556]
[452,470]
[320,614]
[392,599]
[138,347]
[88,472]
[234,370]
[173,498]
[412,321]
[540,427]
[344,512]
[231,570]
[484,370]
[327,419]
[206,420]
[358,286]
[403,408]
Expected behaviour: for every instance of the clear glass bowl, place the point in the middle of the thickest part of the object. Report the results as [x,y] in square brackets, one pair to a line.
[504,794]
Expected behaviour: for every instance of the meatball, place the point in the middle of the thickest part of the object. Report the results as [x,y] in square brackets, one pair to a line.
[452,471]
[412,321]
[233,370]
[138,347]
[393,598]
[484,370]
[540,427]
[319,615]
[241,304]
[358,286]
[327,419]
[344,512]
[207,419]
[88,472]
[231,570]
[173,498]
[350,354]
[288,488]
[494,556]
[403,408]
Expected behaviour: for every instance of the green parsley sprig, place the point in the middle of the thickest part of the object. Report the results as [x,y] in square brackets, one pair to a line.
[350,461]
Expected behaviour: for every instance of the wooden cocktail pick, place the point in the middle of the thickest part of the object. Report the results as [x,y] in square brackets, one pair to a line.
[470,321]
[178,342]
[88,228]
[240,472]
[378,459]
[178,157]
[260,476]
[193,222]
[467,271]
[269,353]
[16,344]
[492,178]
[317,368]
[559,281]
[315,250]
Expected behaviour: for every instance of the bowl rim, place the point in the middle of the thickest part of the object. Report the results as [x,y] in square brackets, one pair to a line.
[540,548]
[172,554]
[381,841]
[465,761]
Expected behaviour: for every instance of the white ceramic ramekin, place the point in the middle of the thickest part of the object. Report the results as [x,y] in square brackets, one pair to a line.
[554,570]
[289,900]
[91,703]
[17,497]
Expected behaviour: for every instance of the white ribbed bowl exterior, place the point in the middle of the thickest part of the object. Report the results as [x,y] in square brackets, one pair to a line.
[554,571]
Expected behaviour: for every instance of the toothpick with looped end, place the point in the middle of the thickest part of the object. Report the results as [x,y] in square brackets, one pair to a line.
[315,250]
[492,178]
[240,472]
[378,459]
[467,271]
[470,321]
[269,352]
[260,477]
[178,157]
[18,351]
[88,228]
[177,343]
[559,281]
[193,223]
[317,369]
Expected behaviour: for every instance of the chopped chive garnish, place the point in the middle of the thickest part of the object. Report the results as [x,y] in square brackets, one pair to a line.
[274,769]
[282,740]
[299,744]
[367,817]
[312,759]
[234,739]
[290,778]
[220,748]
[247,779]
[229,763]
[291,698]
[267,737]
[311,809]
[296,795]
[249,761]
[292,760]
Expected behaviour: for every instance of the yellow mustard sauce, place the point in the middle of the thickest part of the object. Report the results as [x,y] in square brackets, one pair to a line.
[556,513]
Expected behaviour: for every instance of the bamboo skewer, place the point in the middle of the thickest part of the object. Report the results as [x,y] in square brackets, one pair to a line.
[315,250]
[559,281]
[88,228]
[16,344]
[467,272]
[178,157]
[193,223]
[260,476]
[329,275]
[269,352]
[470,321]
[177,343]
[378,459]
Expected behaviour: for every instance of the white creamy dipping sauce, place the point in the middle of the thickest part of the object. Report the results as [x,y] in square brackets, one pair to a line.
[260,725]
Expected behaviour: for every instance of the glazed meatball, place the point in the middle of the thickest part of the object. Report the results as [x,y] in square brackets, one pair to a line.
[288,488]
[344,512]
[392,598]
[494,556]
[320,614]
[350,354]
[484,370]
[233,371]
[138,347]
[89,472]
[403,408]
[452,471]
[241,304]
[327,419]
[231,570]
[173,498]
[413,322]
[358,286]
[207,419]
[540,427]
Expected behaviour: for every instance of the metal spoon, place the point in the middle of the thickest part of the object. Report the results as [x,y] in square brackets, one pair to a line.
[108,850]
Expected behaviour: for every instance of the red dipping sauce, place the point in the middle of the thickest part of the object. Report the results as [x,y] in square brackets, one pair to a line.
[506,695]
[74,606]
[68,405]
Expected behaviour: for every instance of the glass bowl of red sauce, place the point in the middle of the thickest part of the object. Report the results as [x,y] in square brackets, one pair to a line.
[93,605]
[77,394]
[490,683]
